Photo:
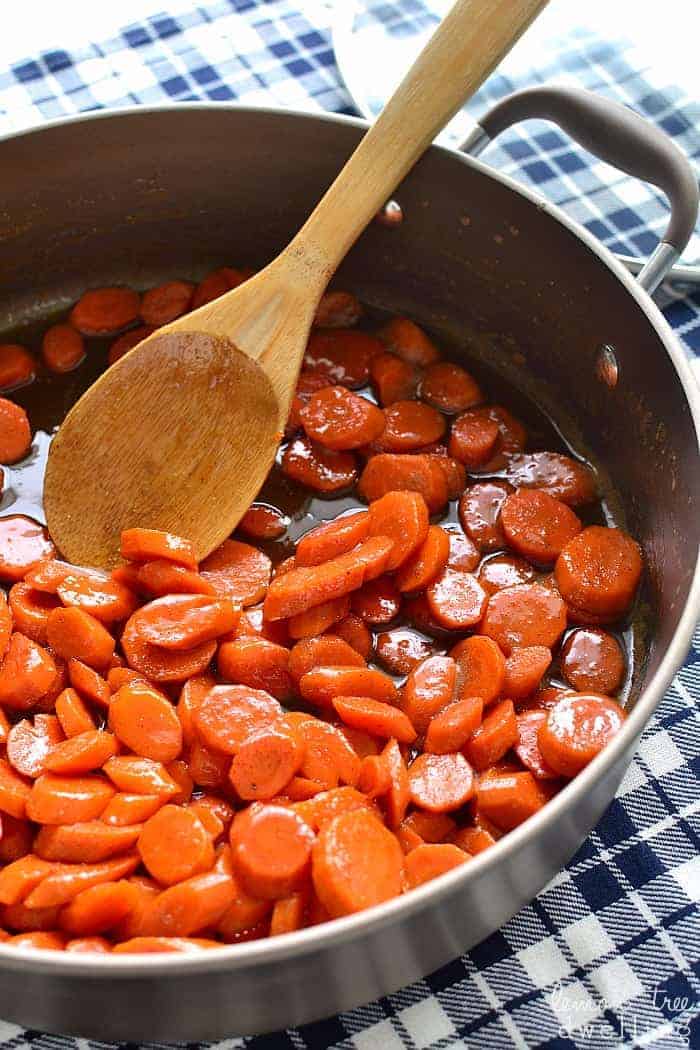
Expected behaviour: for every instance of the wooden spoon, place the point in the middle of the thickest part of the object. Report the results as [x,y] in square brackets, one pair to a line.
[182,431]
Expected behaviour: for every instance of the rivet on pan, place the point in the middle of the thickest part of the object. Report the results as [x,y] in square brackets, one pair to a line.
[607,369]
[390,215]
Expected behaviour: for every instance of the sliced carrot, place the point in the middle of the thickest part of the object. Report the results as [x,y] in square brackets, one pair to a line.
[18,879]
[454,471]
[409,342]
[332,539]
[561,476]
[192,692]
[456,599]
[398,796]
[317,467]
[402,649]
[163,665]
[81,754]
[288,914]
[361,742]
[344,355]
[17,834]
[525,668]
[23,543]
[403,518]
[257,663]
[98,908]
[463,553]
[474,439]
[124,809]
[104,310]
[475,838]
[320,618]
[160,577]
[355,632]
[328,757]
[140,776]
[181,622]
[430,827]
[228,714]
[427,861]
[391,472]
[536,525]
[504,570]
[208,768]
[440,783]
[68,880]
[592,661]
[89,842]
[577,728]
[357,863]
[271,848]
[119,676]
[451,728]
[244,912]
[510,798]
[15,432]
[29,744]
[307,384]
[299,789]
[322,684]
[45,940]
[407,838]
[375,778]
[528,749]
[28,673]
[149,945]
[239,571]
[479,513]
[429,688]
[62,348]
[216,283]
[337,310]
[375,717]
[17,367]
[61,799]
[215,813]
[599,570]
[146,721]
[340,420]
[526,615]
[450,388]
[174,845]
[89,683]
[263,522]
[266,762]
[148,544]
[409,426]
[494,737]
[253,624]
[377,602]
[426,563]
[20,917]
[190,906]
[393,378]
[14,791]
[326,805]
[326,651]
[89,944]
[74,634]
[482,668]
[302,588]
[127,341]
[104,598]
[167,301]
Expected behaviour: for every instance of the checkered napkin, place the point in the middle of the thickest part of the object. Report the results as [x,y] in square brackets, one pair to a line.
[609,953]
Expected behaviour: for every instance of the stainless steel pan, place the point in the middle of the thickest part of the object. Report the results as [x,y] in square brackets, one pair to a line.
[141,195]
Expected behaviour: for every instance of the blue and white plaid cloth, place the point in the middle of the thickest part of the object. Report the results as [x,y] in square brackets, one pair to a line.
[609,953]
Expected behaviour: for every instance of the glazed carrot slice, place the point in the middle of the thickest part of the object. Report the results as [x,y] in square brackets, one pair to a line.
[399,794]
[30,612]
[355,632]
[473,439]
[401,650]
[22,918]
[266,762]
[27,674]
[17,835]
[482,668]
[337,310]
[307,384]
[429,860]
[208,768]
[238,571]
[98,908]
[403,518]
[526,615]
[426,563]
[510,798]
[456,599]
[68,880]
[181,622]
[504,570]
[148,544]
[332,539]
[450,388]
[257,663]
[48,573]
[23,543]
[302,588]
[263,522]
[104,598]
[326,805]
[187,907]
[62,348]
[525,668]
[88,683]
[463,554]
[163,665]
[409,426]
[318,467]
[104,310]
[407,838]
[216,283]
[228,714]
[17,366]
[536,525]
[475,838]
[343,355]
[599,570]
[479,513]
[313,622]
[174,845]
[391,472]
[577,729]
[75,634]
[213,825]
[450,729]
[592,661]
[430,827]
[440,783]
[375,717]
[124,809]
[192,692]
[375,778]
[377,602]
[494,737]
[46,940]
[146,721]
[327,651]
[340,420]
[160,577]
[322,684]
[288,914]
[17,880]
[528,749]
[14,791]
[99,945]
[271,849]
[119,676]
[29,744]
[429,688]
[140,776]
[61,799]
[244,913]
[155,945]
[454,471]
[127,341]
[15,432]
[357,863]
[393,378]
[89,842]
[299,789]
[561,476]
[409,342]
[81,754]
[165,302]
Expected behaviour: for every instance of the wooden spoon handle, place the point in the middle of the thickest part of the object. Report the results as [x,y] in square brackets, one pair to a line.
[466,46]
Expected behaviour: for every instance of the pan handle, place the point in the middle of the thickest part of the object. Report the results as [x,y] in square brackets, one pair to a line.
[619,136]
